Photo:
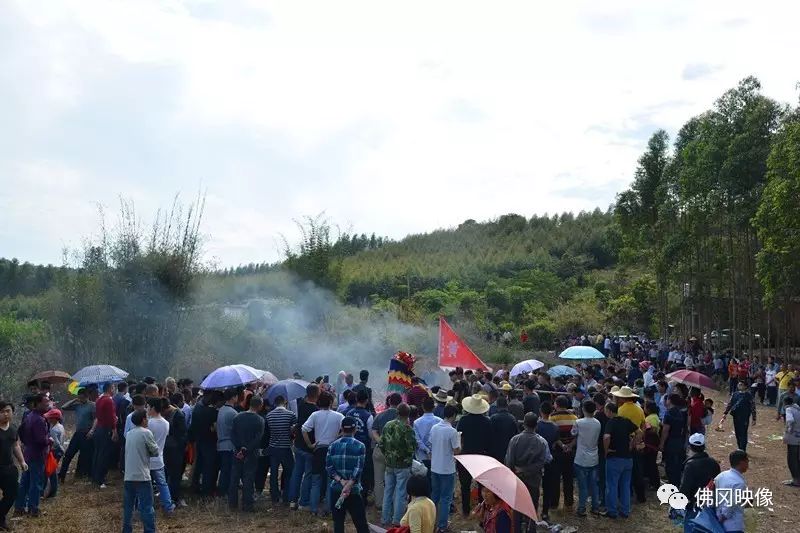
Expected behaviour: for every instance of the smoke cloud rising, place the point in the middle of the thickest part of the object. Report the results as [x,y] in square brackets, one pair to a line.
[300,327]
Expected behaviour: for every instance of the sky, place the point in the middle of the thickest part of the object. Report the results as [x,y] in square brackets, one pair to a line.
[389,117]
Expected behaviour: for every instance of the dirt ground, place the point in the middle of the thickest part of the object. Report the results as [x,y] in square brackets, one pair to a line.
[80,507]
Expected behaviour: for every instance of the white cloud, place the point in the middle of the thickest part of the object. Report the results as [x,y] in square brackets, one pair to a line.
[393,118]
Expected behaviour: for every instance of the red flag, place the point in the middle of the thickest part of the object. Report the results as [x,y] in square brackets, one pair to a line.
[454,352]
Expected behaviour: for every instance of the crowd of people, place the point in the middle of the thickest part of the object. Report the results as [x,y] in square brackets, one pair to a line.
[605,428]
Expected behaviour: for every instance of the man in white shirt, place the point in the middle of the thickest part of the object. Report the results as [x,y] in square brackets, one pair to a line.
[586,431]
[688,361]
[445,443]
[326,425]
[160,429]
[727,485]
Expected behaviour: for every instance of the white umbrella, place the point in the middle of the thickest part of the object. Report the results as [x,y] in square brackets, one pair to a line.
[231,376]
[525,367]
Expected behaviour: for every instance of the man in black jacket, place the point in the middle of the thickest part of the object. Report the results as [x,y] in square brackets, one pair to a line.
[504,428]
[698,470]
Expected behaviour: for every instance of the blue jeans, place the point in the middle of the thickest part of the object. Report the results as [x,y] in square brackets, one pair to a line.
[279,457]
[318,482]
[394,494]
[442,487]
[141,492]
[300,484]
[30,486]
[587,483]
[225,462]
[164,496]
[618,485]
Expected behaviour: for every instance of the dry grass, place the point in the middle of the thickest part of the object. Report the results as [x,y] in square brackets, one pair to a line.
[80,507]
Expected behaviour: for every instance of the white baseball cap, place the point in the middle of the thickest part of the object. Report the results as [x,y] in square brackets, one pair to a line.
[697,439]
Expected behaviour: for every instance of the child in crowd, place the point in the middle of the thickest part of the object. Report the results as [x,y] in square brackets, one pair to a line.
[54,421]
[708,414]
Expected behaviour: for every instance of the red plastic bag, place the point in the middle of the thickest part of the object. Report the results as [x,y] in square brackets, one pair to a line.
[189,454]
[399,529]
[50,464]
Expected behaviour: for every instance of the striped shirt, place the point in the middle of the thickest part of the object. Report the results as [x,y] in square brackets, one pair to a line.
[565,421]
[280,421]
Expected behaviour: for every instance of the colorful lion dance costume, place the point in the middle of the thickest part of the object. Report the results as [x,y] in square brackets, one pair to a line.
[401,370]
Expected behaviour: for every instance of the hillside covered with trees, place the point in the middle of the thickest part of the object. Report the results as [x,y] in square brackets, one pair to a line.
[706,238]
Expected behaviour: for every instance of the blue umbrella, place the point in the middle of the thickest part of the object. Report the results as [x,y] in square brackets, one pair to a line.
[290,389]
[96,374]
[231,376]
[562,370]
[581,352]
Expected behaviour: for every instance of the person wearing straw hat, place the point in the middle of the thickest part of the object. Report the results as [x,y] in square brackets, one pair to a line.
[476,434]
[441,398]
[628,408]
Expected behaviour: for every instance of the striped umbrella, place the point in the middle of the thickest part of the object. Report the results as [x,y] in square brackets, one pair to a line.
[96,374]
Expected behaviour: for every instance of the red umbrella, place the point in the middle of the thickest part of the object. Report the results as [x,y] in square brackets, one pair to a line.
[499,479]
[692,379]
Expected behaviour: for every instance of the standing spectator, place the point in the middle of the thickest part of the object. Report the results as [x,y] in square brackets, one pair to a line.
[325,425]
[527,455]
[696,411]
[673,438]
[730,513]
[54,417]
[530,401]
[140,448]
[515,405]
[344,464]
[476,438]
[363,377]
[791,391]
[441,398]
[599,400]
[398,445]
[698,471]
[203,434]
[742,406]
[224,444]
[300,484]
[246,434]
[175,448]
[122,401]
[548,430]
[79,443]
[618,447]
[771,383]
[563,455]
[160,429]
[35,437]
[587,432]
[280,422]
[9,450]
[364,422]
[504,428]
[104,434]
[417,393]
[378,462]
[791,437]
[422,433]
[445,444]
[630,409]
